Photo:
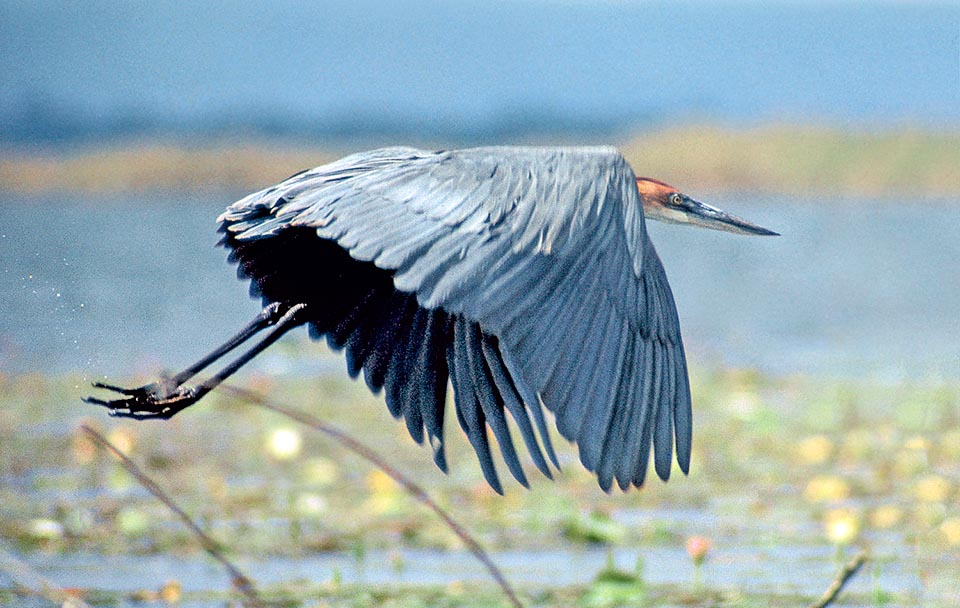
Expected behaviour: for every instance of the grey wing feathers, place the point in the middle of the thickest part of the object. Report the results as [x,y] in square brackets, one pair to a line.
[544,248]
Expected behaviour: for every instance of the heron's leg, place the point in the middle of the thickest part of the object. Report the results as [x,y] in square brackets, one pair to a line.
[272,313]
[268,316]
[166,397]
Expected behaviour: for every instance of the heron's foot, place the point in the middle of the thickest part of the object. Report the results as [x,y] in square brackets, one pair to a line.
[161,399]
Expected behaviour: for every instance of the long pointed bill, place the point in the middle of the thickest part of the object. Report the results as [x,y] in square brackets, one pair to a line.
[699,214]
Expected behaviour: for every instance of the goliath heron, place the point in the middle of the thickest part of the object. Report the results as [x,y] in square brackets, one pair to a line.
[523,276]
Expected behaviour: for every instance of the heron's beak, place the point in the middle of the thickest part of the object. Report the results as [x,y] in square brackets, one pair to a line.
[694,212]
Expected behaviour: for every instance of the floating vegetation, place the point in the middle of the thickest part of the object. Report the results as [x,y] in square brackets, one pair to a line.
[771,502]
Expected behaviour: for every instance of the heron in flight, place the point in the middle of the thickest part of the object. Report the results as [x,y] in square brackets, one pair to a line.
[524,277]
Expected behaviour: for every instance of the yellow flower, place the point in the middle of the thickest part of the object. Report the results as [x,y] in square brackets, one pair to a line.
[385,494]
[826,488]
[379,482]
[815,449]
[932,488]
[841,525]
[171,591]
[886,516]
[917,442]
[950,528]
[122,438]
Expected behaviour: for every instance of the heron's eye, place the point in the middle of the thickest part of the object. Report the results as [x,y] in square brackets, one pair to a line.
[675,199]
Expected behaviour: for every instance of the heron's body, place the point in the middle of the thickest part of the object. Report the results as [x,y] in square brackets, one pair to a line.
[523,276]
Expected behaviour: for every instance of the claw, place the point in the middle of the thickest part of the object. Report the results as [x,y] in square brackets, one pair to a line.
[155,400]
[157,389]
[96,401]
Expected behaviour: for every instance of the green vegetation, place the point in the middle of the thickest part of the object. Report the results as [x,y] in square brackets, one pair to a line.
[788,475]
[777,159]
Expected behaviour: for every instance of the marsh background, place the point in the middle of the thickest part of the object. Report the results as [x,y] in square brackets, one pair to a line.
[824,363]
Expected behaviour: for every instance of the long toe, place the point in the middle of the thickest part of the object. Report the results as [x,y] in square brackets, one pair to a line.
[96,401]
[119,389]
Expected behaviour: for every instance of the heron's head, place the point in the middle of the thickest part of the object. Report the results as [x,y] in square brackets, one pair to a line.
[665,203]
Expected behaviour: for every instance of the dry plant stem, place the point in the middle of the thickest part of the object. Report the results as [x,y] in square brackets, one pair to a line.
[845,574]
[410,486]
[28,578]
[240,580]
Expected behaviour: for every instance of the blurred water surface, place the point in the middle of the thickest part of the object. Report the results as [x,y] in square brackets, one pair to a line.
[466,71]
[117,286]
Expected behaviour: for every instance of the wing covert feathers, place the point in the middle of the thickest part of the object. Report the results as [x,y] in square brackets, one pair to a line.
[524,276]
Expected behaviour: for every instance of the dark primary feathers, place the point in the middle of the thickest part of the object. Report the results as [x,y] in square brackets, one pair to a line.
[524,276]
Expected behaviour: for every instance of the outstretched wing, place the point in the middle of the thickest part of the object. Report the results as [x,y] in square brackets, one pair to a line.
[546,250]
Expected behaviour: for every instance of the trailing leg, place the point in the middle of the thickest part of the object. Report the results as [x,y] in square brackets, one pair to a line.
[167,396]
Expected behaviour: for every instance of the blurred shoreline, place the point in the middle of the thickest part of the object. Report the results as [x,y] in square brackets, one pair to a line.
[777,159]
